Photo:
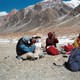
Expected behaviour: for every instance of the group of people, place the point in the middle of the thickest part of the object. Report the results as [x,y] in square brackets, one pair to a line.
[31,48]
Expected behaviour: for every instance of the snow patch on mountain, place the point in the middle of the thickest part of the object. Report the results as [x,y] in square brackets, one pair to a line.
[3,13]
[72,3]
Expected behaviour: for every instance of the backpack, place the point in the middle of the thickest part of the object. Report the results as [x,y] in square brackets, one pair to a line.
[67,48]
[74,60]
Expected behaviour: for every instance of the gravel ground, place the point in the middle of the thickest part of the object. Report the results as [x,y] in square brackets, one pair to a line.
[41,69]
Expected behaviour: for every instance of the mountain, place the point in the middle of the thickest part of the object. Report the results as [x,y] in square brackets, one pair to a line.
[69,23]
[43,17]
[14,11]
[35,17]
[2,14]
[72,3]
[5,16]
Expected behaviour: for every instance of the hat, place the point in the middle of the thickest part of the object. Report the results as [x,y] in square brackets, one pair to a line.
[26,38]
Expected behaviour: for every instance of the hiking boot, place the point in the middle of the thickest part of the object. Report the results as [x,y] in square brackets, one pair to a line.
[19,58]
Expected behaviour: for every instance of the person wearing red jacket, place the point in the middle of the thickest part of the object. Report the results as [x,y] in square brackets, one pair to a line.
[51,42]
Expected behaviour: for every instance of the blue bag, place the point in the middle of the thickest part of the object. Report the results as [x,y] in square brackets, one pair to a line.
[74,60]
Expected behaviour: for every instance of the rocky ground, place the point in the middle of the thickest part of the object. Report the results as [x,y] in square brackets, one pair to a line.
[41,69]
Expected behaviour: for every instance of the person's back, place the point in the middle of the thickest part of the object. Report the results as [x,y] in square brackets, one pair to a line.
[20,51]
[73,63]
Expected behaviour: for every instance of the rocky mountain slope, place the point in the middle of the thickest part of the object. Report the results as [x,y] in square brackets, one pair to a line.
[72,20]
[43,17]
[72,3]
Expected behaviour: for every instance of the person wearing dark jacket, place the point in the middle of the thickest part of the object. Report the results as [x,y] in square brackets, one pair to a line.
[25,45]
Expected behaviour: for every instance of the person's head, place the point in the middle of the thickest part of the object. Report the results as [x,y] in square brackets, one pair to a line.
[33,40]
[50,34]
[26,39]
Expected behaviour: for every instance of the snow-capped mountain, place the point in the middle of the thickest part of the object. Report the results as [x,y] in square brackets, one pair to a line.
[39,16]
[42,17]
[72,3]
[3,13]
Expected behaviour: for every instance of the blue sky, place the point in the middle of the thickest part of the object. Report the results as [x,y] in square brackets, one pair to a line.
[8,5]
